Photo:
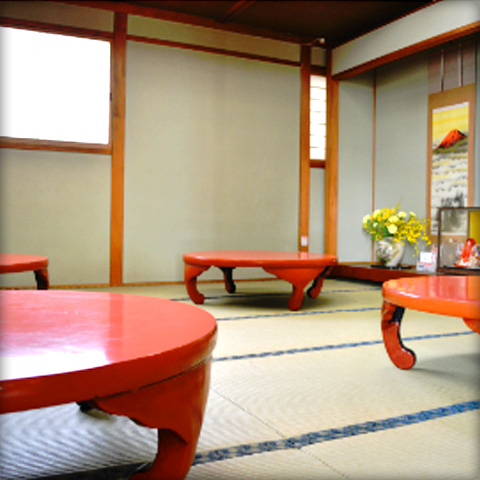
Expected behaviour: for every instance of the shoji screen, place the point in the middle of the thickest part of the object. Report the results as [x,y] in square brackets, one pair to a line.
[212,155]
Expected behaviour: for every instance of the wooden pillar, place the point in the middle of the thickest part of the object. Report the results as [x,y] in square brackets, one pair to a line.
[331,163]
[118,148]
[303,239]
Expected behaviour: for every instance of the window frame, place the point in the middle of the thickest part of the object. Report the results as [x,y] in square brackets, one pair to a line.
[59,145]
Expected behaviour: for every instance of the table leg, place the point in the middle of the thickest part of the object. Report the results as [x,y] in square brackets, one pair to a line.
[401,356]
[473,324]
[316,288]
[175,407]
[41,277]
[299,278]
[228,279]
[191,273]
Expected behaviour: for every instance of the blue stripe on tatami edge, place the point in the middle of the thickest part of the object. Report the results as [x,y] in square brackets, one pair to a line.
[300,313]
[312,438]
[277,294]
[292,351]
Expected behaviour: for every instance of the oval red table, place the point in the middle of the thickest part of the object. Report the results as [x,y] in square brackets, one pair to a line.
[142,357]
[298,268]
[457,296]
[16,263]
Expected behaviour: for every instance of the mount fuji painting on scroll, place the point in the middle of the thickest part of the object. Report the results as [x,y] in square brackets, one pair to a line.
[450,160]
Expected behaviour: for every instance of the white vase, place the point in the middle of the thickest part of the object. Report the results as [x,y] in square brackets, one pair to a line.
[390,252]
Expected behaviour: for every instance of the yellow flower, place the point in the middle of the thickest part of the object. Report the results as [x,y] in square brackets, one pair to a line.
[396,224]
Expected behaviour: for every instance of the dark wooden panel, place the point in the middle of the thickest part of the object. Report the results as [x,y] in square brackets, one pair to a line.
[468,63]
[452,76]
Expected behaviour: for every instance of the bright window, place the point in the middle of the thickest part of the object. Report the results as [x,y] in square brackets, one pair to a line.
[54,87]
[318,116]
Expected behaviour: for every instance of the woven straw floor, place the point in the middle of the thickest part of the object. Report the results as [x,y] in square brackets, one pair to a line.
[294,395]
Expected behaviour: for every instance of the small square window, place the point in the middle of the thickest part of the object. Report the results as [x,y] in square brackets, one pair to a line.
[54,87]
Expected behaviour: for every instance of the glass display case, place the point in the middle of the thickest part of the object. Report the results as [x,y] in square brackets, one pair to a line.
[458,240]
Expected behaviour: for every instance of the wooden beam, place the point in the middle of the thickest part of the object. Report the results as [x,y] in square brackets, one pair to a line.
[317,163]
[118,148]
[304,207]
[331,163]
[236,9]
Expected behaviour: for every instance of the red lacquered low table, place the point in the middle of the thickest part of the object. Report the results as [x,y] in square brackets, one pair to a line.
[457,296]
[16,263]
[298,268]
[145,358]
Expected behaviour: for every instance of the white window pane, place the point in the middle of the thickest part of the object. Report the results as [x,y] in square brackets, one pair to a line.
[317,105]
[317,153]
[317,141]
[318,117]
[318,94]
[54,87]
[317,130]
[318,81]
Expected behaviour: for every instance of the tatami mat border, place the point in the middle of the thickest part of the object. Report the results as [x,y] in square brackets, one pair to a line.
[301,313]
[277,294]
[312,438]
[293,351]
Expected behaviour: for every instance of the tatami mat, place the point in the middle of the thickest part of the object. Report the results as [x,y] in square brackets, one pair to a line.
[308,394]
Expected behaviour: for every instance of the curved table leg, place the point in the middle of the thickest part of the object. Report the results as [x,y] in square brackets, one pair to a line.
[175,407]
[41,277]
[473,324]
[316,288]
[299,278]
[191,272]
[228,279]
[401,356]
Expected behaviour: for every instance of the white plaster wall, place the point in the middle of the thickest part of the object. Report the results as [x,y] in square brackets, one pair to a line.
[212,146]
[58,13]
[402,120]
[436,19]
[56,205]
[354,166]
[212,38]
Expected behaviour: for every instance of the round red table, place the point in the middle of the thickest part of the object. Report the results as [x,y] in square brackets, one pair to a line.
[298,268]
[15,263]
[457,296]
[142,357]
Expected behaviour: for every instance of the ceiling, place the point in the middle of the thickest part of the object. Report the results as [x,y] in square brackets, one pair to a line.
[334,21]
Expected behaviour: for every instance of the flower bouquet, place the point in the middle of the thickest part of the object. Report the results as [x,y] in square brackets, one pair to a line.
[397,226]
